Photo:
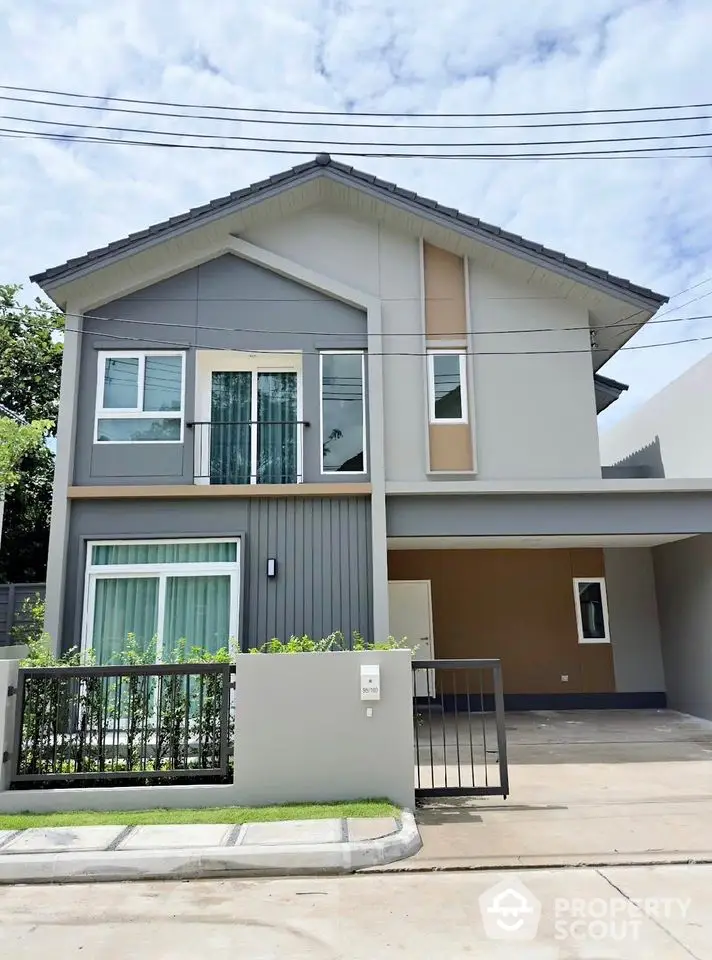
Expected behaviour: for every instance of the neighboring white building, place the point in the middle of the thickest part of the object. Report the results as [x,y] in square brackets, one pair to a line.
[666,434]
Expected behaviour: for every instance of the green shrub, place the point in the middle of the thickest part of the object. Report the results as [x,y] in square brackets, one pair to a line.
[335,642]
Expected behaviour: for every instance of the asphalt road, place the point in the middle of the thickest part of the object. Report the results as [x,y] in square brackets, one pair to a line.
[617,912]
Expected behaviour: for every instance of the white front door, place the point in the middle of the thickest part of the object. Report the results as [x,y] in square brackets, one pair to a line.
[411,617]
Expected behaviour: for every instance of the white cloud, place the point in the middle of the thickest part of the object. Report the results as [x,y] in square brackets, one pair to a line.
[646,219]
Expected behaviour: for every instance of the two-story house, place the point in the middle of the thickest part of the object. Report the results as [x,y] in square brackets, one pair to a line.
[325,403]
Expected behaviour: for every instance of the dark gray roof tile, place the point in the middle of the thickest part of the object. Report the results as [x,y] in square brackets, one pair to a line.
[323,164]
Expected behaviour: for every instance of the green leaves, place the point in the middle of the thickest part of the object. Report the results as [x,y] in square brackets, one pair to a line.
[16,440]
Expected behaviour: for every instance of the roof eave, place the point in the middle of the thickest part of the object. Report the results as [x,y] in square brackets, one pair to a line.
[54,278]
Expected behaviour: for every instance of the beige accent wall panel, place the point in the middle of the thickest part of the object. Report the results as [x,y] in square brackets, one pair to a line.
[444,288]
[450,447]
[517,605]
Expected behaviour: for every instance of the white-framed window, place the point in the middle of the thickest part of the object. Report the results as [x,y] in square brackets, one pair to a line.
[163,593]
[447,386]
[591,606]
[140,397]
[342,402]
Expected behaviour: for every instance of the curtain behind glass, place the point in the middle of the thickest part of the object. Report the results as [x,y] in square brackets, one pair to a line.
[121,606]
[231,401]
[197,612]
[277,428]
[133,553]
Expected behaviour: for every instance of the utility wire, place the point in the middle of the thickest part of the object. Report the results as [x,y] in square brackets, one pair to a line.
[631,153]
[618,324]
[316,144]
[395,353]
[251,119]
[338,113]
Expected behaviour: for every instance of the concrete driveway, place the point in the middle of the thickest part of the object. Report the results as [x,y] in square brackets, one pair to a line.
[586,787]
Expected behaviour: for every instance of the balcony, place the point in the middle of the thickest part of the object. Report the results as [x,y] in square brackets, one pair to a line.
[248,451]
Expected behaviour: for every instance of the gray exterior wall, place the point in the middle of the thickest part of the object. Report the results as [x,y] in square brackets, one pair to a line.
[633,618]
[542,514]
[322,546]
[249,308]
[683,575]
[12,597]
[323,746]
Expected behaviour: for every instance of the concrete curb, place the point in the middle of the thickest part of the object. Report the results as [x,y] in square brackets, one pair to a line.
[252,860]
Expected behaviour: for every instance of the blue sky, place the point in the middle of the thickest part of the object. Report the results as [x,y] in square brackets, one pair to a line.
[648,220]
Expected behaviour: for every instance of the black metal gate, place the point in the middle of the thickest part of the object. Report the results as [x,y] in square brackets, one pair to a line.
[459,731]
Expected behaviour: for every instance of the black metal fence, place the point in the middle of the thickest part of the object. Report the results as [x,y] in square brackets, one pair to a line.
[248,451]
[459,731]
[109,726]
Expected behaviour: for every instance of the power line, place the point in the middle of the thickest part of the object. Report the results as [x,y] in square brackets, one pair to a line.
[351,335]
[354,113]
[388,353]
[251,119]
[316,144]
[631,153]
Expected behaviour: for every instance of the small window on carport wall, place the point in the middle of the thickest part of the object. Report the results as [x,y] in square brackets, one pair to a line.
[591,610]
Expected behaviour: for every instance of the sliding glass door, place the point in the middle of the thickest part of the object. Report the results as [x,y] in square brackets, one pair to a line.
[254,431]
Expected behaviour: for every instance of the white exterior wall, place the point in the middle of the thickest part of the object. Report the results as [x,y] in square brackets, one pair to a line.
[535,416]
[670,431]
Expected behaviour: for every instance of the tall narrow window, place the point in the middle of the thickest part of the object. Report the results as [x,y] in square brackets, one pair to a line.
[447,386]
[591,610]
[140,397]
[343,413]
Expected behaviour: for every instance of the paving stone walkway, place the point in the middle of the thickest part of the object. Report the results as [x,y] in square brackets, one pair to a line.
[195,836]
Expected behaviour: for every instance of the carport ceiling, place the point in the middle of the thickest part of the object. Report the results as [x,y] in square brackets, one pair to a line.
[531,543]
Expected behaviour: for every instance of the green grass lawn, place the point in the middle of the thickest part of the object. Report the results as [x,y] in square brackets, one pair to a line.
[291,811]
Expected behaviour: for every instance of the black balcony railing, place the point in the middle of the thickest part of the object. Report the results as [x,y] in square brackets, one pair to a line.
[248,451]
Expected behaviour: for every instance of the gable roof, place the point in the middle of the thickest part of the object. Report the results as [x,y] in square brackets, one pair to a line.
[324,165]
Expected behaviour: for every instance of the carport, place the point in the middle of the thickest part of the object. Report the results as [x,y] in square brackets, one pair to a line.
[587,787]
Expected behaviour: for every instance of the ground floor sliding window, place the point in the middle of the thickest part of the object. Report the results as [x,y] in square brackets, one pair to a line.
[163,593]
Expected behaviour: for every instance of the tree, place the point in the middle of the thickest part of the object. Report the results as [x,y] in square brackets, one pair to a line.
[16,440]
[30,373]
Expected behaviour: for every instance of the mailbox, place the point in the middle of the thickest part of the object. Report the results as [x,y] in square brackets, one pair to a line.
[370,682]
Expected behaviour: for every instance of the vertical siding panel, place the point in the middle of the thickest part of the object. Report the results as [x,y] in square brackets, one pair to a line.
[298,566]
[316,567]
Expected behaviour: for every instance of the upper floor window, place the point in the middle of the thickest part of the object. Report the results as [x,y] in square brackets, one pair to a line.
[140,397]
[343,412]
[447,386]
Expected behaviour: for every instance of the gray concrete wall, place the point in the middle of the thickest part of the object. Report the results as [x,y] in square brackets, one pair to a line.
[633,616]
[641,512]
[683,577]
[225,303]
[535,412]
[303,732]
[668,432]
[322,547]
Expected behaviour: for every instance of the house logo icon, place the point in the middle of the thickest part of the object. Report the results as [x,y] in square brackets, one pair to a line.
[510,911]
